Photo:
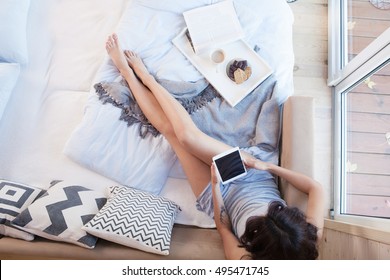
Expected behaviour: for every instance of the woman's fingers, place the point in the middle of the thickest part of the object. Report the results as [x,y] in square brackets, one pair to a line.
[214,177]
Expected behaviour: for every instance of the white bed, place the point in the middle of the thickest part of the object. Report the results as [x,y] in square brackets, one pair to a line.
[40,126]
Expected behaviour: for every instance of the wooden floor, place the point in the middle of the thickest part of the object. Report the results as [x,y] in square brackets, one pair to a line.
[368,106]
[368,180]
[310,35]
[310,79]
[365,23]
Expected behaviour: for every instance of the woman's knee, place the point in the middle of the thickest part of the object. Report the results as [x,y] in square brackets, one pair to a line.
[166,129]
[187,137]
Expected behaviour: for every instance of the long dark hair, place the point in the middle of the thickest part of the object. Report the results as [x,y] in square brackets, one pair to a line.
[282,234]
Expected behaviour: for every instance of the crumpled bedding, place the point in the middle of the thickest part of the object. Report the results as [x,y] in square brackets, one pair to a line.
[192,95]
[255,121]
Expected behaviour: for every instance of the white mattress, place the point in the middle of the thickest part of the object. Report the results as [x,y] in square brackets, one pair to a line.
[66,48]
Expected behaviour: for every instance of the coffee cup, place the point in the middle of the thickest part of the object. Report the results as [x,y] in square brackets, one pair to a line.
[217,57]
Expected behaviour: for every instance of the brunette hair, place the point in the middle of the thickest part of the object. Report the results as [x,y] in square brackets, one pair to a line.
[282,234]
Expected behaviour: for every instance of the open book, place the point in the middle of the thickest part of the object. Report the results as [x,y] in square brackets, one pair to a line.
[212,26]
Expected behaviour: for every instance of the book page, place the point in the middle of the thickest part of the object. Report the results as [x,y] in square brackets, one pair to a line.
[213,25]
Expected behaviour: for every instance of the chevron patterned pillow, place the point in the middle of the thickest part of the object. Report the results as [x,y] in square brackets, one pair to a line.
[61,212]
[14,198]
[136,219]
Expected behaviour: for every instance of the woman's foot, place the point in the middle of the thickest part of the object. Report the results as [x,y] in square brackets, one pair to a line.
[116,54]
[136,63]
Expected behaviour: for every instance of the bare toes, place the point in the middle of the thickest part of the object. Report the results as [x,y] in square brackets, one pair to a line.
[115,37]
[109,43]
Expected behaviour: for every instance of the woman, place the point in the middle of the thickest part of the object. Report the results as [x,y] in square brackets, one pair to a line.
[250,216]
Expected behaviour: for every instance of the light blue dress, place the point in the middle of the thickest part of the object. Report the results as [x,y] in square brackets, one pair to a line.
[245,197]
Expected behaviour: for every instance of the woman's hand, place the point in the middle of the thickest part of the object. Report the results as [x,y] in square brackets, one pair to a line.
[214,177]
[252,162]
[231,245]
[222,219]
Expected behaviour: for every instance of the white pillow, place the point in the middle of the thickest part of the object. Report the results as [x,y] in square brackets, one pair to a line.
[135,219]
[9,73]
[106,145]
[179,191]
[13,20]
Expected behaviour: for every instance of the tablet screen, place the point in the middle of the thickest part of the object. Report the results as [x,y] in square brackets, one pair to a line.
[230,166]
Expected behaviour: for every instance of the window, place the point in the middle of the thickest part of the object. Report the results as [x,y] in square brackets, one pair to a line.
[359,72]
[366,137]
[363,24]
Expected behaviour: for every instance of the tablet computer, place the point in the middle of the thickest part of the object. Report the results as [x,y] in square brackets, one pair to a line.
[229,165]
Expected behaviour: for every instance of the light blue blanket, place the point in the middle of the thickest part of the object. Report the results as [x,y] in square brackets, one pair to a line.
[255,121]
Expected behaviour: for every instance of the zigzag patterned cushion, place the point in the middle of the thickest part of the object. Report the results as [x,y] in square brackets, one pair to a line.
[61,212]
[136,219]
[14,198]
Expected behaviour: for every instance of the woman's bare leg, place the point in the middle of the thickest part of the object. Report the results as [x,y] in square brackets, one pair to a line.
[194,140]
[198,173]
[145,100]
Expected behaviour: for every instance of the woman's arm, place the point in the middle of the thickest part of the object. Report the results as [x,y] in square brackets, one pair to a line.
[222,221]
[314,190]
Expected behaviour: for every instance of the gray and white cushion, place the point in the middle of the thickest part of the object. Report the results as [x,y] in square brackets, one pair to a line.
[14,198]
[61,212]
[136,219]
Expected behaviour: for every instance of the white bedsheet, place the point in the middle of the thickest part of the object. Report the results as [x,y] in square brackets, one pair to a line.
[66,48]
